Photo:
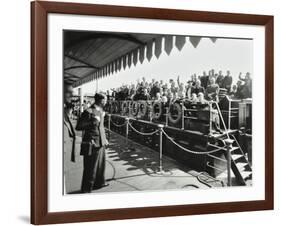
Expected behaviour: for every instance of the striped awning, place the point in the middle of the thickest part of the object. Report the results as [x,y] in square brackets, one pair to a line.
[92,55]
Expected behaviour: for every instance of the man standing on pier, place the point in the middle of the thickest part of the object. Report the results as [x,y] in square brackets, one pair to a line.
[69,136]
[93,145]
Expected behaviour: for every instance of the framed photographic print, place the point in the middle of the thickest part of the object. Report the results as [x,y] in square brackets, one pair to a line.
[145,112]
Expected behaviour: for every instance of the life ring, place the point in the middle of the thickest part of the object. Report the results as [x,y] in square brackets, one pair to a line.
[157,110]
[134,108]
[142,108]
[175,113]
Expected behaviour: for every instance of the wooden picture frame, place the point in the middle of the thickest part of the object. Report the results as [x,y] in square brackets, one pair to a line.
[39,109]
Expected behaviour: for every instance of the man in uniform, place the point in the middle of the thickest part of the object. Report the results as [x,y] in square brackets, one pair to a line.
[93,145]
[68,134]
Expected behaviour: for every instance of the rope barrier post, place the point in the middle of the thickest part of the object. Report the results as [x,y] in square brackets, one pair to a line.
[167,116]
[160,128]
[108,125]
[228,143]
[127,131]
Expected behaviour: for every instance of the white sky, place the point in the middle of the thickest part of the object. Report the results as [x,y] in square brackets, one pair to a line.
[235,55]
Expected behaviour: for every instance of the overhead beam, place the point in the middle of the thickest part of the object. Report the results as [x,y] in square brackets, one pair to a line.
[70,79]
[76,67]
[71,75]
[81,61]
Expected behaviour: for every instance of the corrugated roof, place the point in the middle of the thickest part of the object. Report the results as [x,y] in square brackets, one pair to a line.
[90,55]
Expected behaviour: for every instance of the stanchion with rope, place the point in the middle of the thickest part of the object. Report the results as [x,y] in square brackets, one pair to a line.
[228,147]
[161,171]
[108,126]
[160,127]
[162,132]
[127,134]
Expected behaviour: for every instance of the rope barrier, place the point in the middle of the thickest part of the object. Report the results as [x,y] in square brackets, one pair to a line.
[161,132]
[187,150]
[170,138]
[117,124]
[144,134]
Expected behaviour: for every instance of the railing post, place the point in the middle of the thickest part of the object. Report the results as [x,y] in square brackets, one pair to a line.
[160,128]
[130,107]
[182,116]
[228,143]
[229,114]
[167,116]
[108,125]
[210,119]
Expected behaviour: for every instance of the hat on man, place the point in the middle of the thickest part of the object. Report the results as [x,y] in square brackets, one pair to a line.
[98,97]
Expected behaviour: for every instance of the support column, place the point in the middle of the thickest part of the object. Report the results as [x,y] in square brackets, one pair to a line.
[108,125]
[80,93]
[97,85]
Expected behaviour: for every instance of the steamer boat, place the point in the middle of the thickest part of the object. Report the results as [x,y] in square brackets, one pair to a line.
[202,136]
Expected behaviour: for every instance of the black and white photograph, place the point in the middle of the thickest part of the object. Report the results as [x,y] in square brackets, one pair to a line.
[146,112]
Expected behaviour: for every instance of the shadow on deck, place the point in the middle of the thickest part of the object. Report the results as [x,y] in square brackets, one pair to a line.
[134,167]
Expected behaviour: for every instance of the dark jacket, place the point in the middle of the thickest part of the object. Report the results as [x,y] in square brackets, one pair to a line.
[204,81]
[94,132]
[197,90]
[68,137]
[154,90]
[226,83]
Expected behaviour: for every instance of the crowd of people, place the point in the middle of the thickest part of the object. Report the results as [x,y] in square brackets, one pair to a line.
[199,88]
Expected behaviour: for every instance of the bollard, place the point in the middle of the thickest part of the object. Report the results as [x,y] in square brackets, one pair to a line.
[108,126]
[160,128]
[228,143]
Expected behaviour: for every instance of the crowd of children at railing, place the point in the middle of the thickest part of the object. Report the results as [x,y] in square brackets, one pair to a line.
[200,88]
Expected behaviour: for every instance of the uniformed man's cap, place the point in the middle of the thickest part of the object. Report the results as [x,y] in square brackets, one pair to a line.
[99,96]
